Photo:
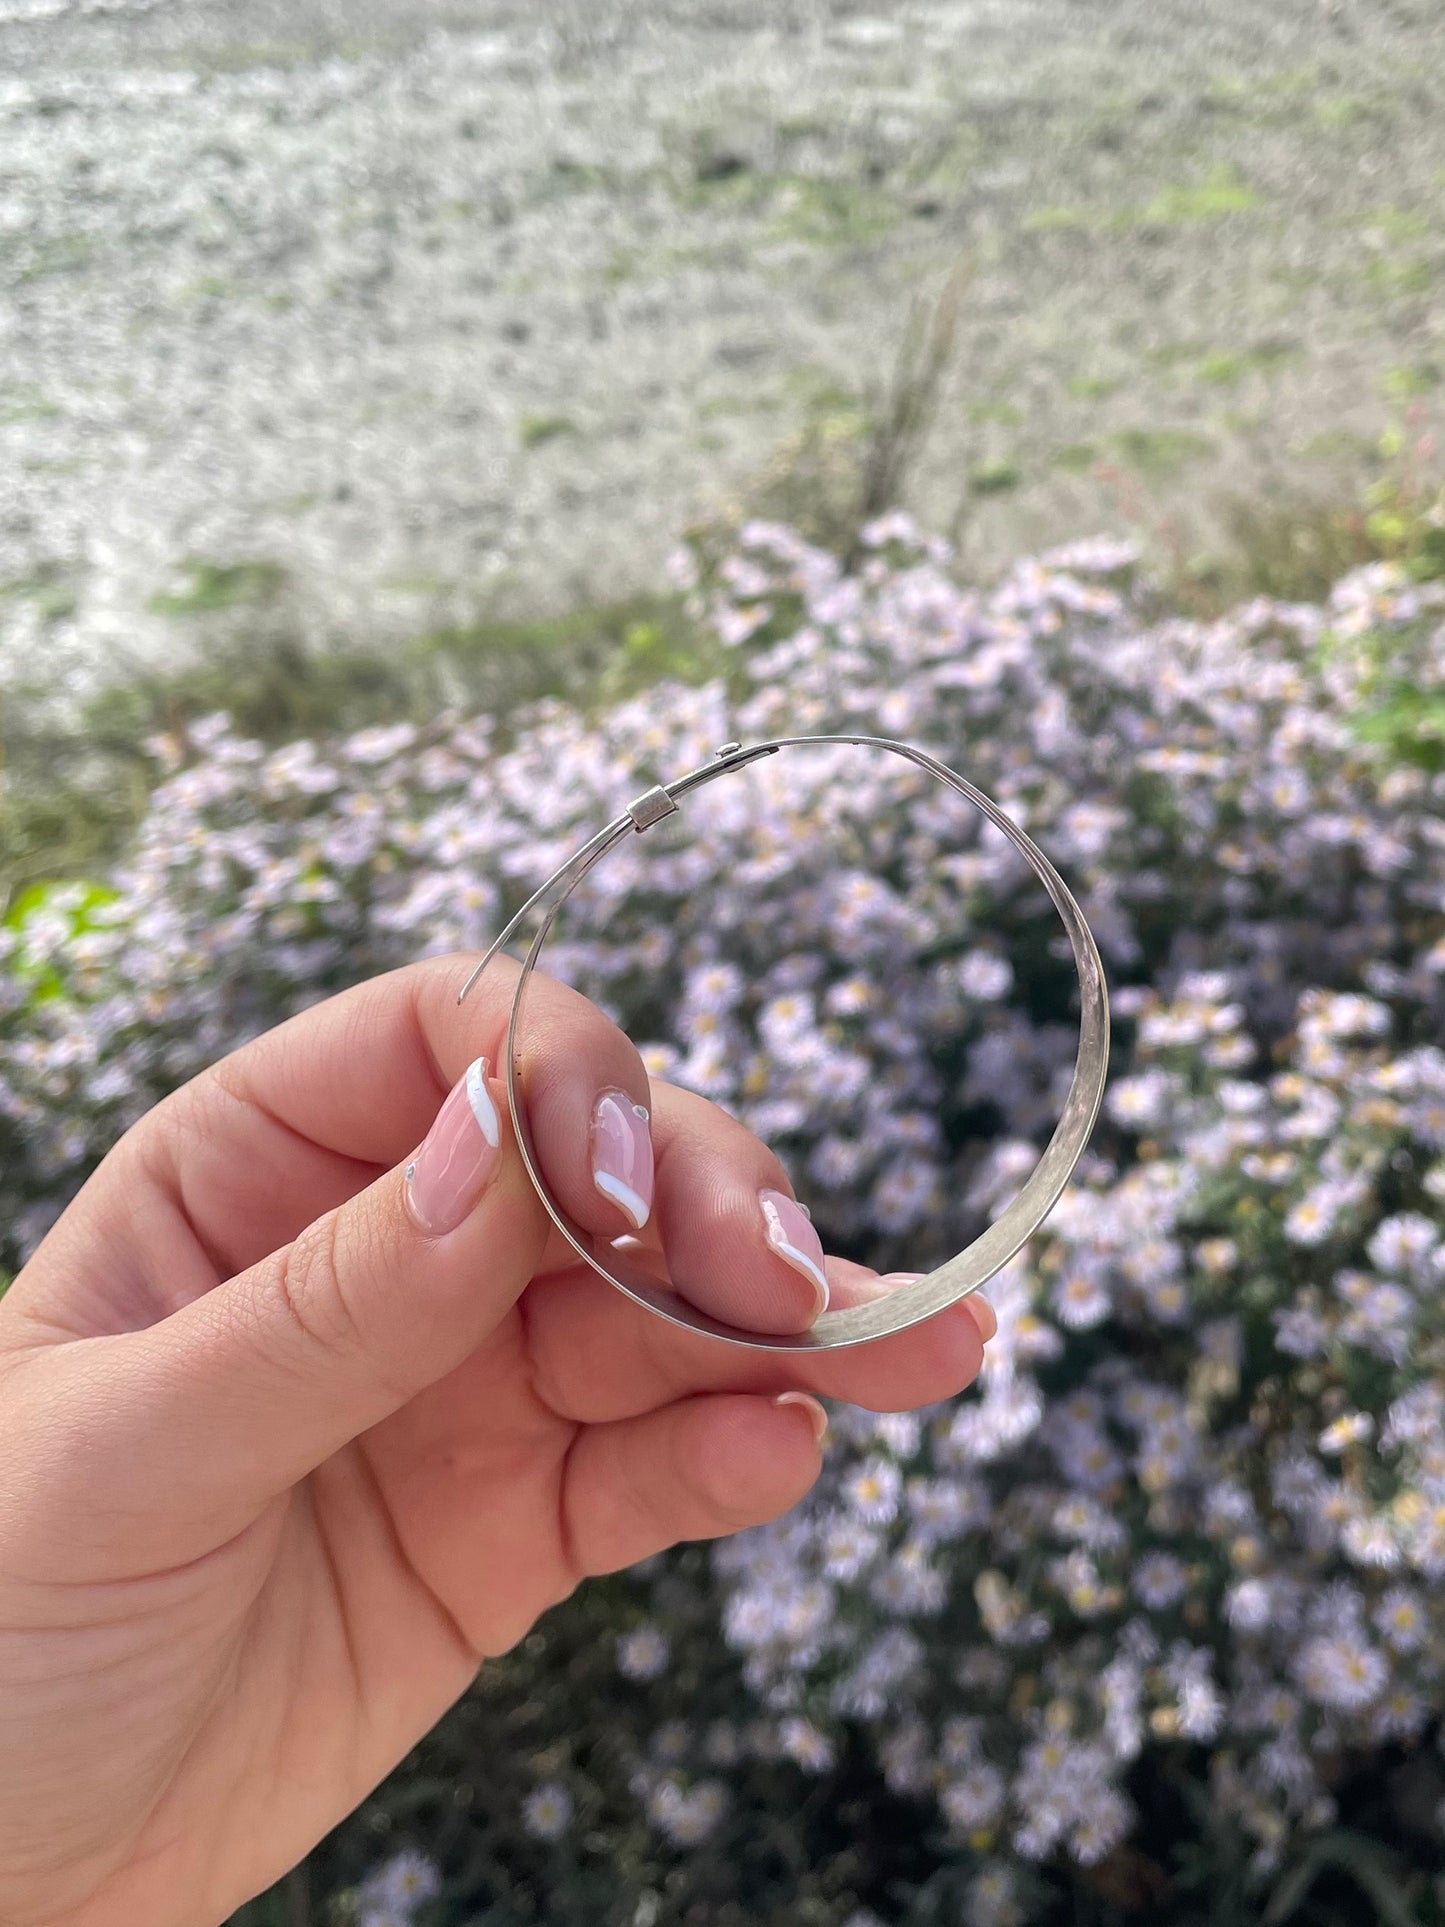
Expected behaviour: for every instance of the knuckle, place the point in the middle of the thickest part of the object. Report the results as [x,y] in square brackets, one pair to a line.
[714,1494]
[308,1288]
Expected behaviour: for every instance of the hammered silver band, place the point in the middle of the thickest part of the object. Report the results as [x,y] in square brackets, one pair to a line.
[948,1282]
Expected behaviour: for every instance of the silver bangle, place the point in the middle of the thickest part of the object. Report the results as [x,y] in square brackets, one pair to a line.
[958,1276]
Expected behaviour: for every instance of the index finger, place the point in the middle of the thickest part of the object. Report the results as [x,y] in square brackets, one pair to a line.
[236,1163]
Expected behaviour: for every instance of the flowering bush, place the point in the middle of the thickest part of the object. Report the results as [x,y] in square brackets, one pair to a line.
[1190,1527]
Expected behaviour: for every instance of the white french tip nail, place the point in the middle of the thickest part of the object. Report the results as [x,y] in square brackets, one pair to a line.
[480,1099]
[787,1224]
[800,1261]
[622,1155]
[622,1194]
[817,1417]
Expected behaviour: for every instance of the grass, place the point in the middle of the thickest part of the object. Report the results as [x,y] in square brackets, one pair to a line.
[1161,451]
[1177,204]
[1222,192]
[1409,381]
[1223,369]
[1394,280]
[853,456]
[45,589]
[25,403]
[69,797]
[49,254]
[207,587]
[1093,387]
[537,429]
[1293,544]
[1293,547]
[712,172]
[1076,456]
[994,478]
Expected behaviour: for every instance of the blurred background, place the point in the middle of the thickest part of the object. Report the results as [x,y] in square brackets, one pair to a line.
[391,390]
[434,313]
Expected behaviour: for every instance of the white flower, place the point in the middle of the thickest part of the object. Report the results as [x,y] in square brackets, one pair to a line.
[873,1490]
[974,1800]
[1340,1670]
[643,1653]
[984,975]
[1404,1242]
[401,1884]
[547,1811]
[687,1816]
[993,1899]
[1350,1429]
[1105,1818]
[1080,1299]
[1400,1620]
[803,1742]
[1160,1580]
[1312,1220]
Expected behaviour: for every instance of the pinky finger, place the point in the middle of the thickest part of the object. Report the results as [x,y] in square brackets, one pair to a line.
[698,1468]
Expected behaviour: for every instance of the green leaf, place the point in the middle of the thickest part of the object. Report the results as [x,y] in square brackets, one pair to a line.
[1374,1872]
[76,902]
[1291,1892]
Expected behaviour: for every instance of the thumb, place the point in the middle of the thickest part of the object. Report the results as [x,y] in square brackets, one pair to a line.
[253,1384]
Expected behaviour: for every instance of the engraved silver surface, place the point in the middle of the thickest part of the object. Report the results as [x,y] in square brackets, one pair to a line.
[957,1276]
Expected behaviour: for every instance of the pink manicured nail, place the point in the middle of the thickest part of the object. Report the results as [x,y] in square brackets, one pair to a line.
[622,1155]
[817,1417]
[791,1235]
[984,1315]
[864,1291]
[447,1175]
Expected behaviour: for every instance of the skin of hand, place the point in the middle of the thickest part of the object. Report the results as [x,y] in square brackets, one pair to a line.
[281,1464]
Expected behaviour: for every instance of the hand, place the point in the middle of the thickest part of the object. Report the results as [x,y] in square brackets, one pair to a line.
[290,1440]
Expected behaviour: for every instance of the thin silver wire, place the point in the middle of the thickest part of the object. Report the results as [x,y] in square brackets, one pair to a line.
[958,1276]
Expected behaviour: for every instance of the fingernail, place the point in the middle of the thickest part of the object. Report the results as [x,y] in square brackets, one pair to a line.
[865,1290]
[622,1155]
[984,1314]
[791,1235]
[817,1417]
[447,1175]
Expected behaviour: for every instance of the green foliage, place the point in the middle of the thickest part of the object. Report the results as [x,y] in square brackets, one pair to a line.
[69,797]
[1049,220]
[208,587]
[1367,1865]
[1092,387]
[1077,455]
[74,905]
[855,454]
[536,429]
[1404,523]
[1399,280]
[1223,369]
[1161,451]
[1294,547]
[1406,508]
[994,478]
[831,212]
[1221,193]
[45,589]
[714,170]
